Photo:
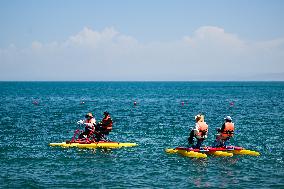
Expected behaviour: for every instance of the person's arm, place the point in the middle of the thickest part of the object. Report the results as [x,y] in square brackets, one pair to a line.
[222,128]
[109,121]
[205,136]
[93,122]
[196,131]
[88,124]
[202,136]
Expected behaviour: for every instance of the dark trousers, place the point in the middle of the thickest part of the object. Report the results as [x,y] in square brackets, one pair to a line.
[100,133]
[191,140]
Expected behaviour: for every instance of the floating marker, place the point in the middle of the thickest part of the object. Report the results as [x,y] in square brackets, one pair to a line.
[35,102]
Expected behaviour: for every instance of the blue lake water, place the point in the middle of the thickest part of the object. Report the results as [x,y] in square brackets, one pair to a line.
[33,114]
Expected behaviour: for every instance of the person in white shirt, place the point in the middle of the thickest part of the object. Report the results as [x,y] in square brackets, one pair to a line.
[89,123]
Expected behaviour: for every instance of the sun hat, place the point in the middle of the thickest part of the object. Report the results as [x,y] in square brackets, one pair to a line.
[228,118]
[199,117]
[89,115]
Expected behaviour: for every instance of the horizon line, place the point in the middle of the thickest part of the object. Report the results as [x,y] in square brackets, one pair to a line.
[141,80]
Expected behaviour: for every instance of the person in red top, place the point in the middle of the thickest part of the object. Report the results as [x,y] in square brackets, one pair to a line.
[104,127]
[199,132]
[225,133]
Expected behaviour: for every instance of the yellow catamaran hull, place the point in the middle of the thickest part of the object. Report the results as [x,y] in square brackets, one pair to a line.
[220,152]
[94,145]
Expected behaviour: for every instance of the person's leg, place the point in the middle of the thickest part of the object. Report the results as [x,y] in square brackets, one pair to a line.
[83,135]
[104,135]
[191,138]
[226,142]
[218,141]
[199,143]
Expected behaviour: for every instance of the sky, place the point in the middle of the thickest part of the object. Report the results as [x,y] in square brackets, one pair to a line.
[126,40]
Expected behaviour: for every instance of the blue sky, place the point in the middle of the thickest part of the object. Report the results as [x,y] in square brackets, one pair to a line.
[142,40]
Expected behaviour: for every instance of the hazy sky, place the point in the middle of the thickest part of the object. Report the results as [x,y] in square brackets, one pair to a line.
[142,40]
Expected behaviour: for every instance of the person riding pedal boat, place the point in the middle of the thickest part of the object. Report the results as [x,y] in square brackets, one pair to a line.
[104,127]
[89,123]
[199,132]
[225,133]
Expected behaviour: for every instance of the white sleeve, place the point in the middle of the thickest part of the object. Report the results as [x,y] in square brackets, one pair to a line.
[205,136]
[196,131]
[89,124]
[93,121]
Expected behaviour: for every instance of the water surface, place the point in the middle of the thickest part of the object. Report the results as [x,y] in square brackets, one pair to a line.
[33,114]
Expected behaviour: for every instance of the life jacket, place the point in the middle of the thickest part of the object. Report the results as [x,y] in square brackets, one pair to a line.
[107,124]
[228,130]
[202,128]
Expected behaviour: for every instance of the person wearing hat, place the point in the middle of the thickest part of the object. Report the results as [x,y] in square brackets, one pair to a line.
[199,132]
[225,133]
[89,123]
[104,127]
